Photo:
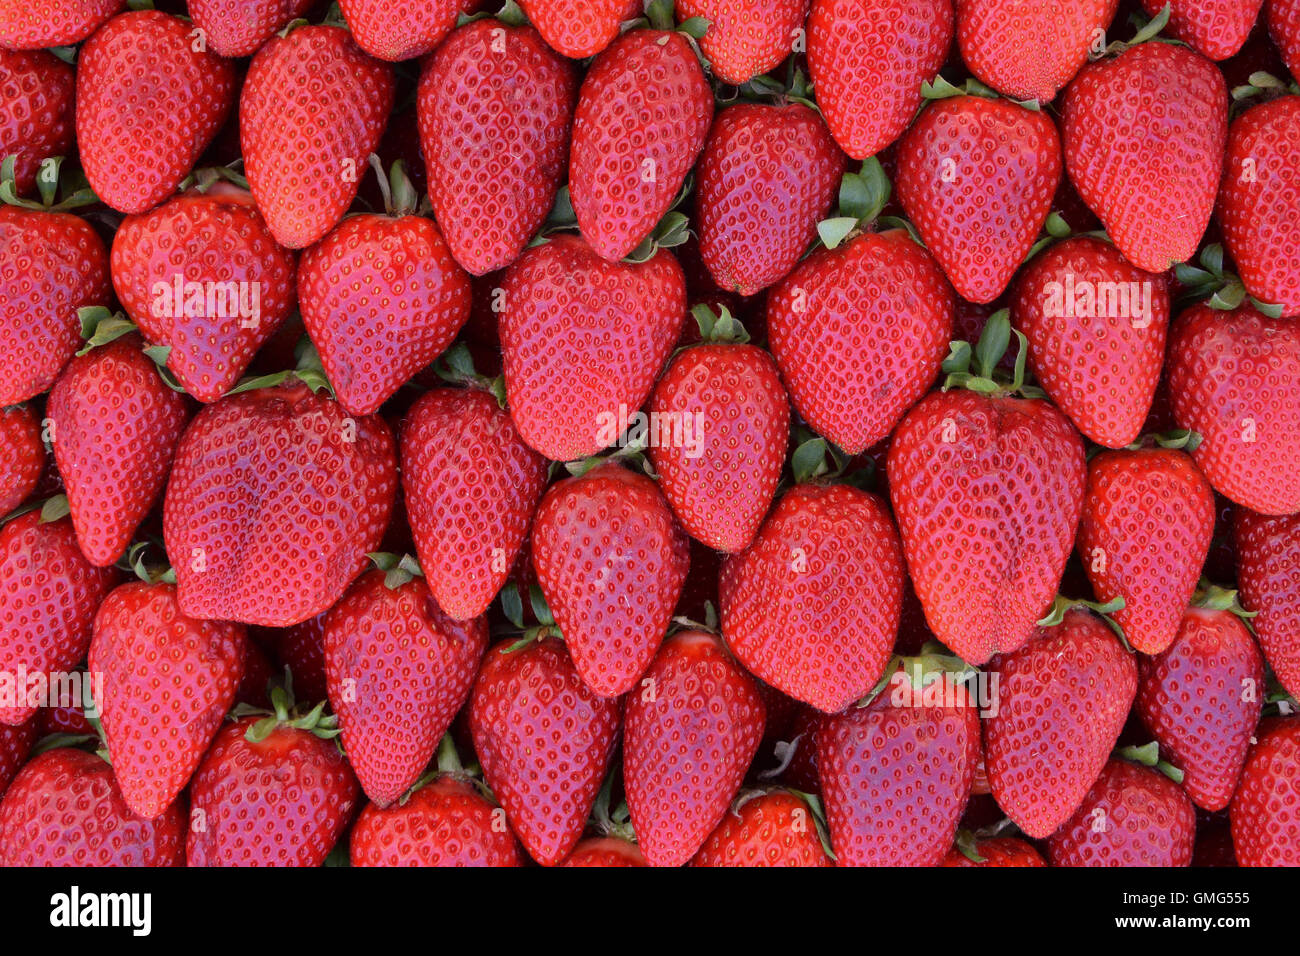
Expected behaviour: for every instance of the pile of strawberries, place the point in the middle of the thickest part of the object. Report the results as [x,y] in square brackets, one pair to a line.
[765,432]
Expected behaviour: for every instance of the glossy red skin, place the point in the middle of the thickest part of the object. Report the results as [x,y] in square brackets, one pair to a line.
[15,744]
[1147,523]
[444,823]
[391,30]
[24,26]
[977,177]
[398,670]
[611,560]
[691,729]
[1268,574]
[1101,369]
[238,28]
[767,176]
[1284,28]
[812,607]
[115,425]
[1265,815]
[1230,369]
[1132,816]
[161,669]
[281,802]
[997,852]
[721,489]
[281,496]
[645,99]
[315,78]
[36,118]
[495,107]
[301,648]
[988,518]
[860,332]
[772,829]
[1259,208]
[471,488]
[209,239]
[1144,136]
[1201,699]
[1061,703]
[605,851]
[65,268]
[22,456]
[580,28]
[745,37]
[580,337]
[544,741]
[1216,28]
[896,775]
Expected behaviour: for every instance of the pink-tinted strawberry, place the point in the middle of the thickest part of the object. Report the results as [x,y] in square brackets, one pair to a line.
[605,851]
[22,455]
[392,30]
[239,27]
[15,744]
[1265,814]
[776,828]
[1217,28]
[26,26]
[1284,27]
[746,37]
[994,851]
[1268,573]
[580,28]
[36,117]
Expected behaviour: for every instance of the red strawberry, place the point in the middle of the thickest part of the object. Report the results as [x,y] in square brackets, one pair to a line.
[161,669]
[776,828]
[605,851]
[1268,573]
[1284,27]
[746,37]
[36,117]
[692,727]
[314,79]
[1144,136]
[1266,808]
[580,28]
[1232,380]
[643,113]
[495,107]
[994,851]
[583,341]
[15,744]
[392,30]
[22,456]
[868,60]
[25,26]
[274,500]
[300,648]
[68,715]
[237,28]
[611,560]
[1217,28]
[259,674]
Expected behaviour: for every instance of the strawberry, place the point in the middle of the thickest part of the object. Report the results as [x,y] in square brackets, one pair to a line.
[36,114]
[314,79]
[605,851]
[1231,380]
[238,28]
[65,809]
[868,60]
[495,105]
[275,497]
[611,560]
[22,456]
[1284,27]
[161,668]
[1061,703]
[746,37]
[773,828]
[1144,135]
[1216,28]
[15,744]
[643,113]
[395,31]
[1265,814]
[259,675]
[68,715]
[691,729]
[1096,328]
[1268,573]
[301,649]
[580,28]
[24,26]
[993,851]
[583,341]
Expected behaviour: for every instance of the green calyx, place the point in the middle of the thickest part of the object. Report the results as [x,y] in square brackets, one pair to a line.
[1218,288]
[512,606]
[710,622]
[456,366]
[202,180]
[1147,31]
[400,197]
[309,371]
[719,329]
[941,89]
[934,663]
[1263,85]
[765,88]
[611,821]
[817,458]
[1148,755]
[673,230]
[1062,604]
[99,327]
[1179,439]
[286,714]
[968,845]
[863,195]
[76,190]
[978,370]
[149,572]
[398,569]
[1211,597]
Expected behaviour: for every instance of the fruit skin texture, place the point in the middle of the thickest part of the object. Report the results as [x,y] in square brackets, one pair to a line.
[977,177]
[398,670]
[381,298]
[860,332]
[400,31]
[15,744]
[1268,573]
[988,516]
[22,456]
[580,28]
[895,777]
[583,338]
[1144,138]
[1232,380]
[691,729]
[445,823]
[116,426]
[1148,519]
[236,28]
[771,829]
[314,79]
[1284,27]
[605,851]
[1201,699]
[745,37]
[494,126]
[210,240]
[878,53]
[545,742]
[1265,815]
[998,851]
[26,26]
[611,560]
[1258,205]
[1062,702]
[1096,328]
[36,111]
[161,669]
[275,498]
[1216,28]
[643,113]
[812,607]
[767,176]
[64,809]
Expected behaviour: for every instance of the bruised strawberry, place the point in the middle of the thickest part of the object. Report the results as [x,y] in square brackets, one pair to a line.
[238,28]
[994,851]
[580,28]
[746,37]
[396,31]
[36,116]
[1216,28]
[22,456]
[1268,573]
[776,828]
[1265,816]
[25,26]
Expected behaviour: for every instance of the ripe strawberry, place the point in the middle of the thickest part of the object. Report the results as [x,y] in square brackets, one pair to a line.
[1231,379]
[1265,814]
[1061,703]
[580,28]
[605,851]
[1268,573]
[1144,136]
[25,26]
[643,113]
[495,107]
[15,744]
[64,809]
[1284,27]
[68,715]
[994,851]
[22,456]
[583,341]
[611,560]
[396,31]
[36,115]
[274,500]
[1216,28]
[860,332]
[691,729]
[868,61]
[161,669]
[314,79]
[773,828]
[238,28]
[746,37]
